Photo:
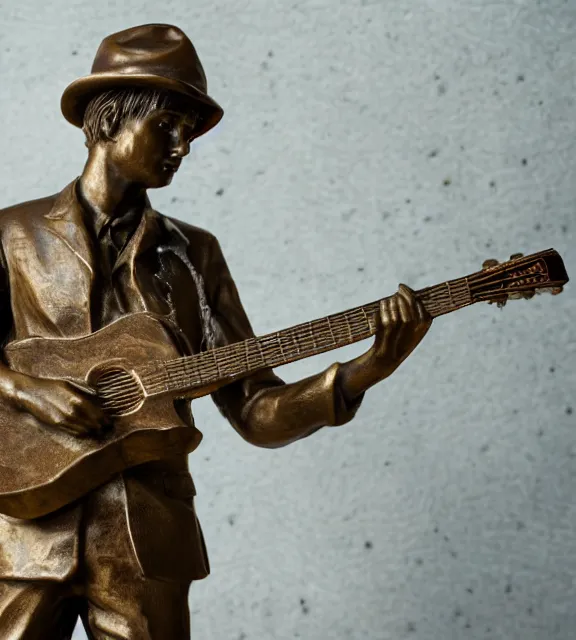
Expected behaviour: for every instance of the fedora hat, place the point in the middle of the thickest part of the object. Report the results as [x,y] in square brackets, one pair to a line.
[156,56]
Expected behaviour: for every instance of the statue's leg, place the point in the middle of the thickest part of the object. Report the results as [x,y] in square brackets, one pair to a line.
[120,601]
[137,608]
[37,610]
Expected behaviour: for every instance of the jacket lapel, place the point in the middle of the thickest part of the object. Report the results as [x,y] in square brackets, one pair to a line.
[135,273]
[66,222]
[61,269]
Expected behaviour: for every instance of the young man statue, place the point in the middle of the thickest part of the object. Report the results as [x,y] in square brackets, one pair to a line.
[122,557]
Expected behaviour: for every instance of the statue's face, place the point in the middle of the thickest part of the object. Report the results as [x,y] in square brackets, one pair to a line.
[148,151]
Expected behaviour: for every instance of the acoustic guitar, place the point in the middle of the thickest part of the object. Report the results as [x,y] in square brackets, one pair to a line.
[137,371]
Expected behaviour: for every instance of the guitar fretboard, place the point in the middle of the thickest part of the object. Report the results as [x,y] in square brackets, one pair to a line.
[295,343]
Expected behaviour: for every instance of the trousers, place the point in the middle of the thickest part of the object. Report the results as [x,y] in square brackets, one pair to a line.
[108,591]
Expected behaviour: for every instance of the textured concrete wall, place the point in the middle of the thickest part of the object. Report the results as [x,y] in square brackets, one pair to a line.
[366,143]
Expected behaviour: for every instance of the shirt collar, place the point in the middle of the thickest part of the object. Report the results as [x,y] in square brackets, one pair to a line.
[99,221]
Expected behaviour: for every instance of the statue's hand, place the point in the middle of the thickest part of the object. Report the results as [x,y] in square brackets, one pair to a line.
[60,405]
[402,322]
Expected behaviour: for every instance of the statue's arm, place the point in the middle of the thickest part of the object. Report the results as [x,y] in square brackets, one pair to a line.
[264,409]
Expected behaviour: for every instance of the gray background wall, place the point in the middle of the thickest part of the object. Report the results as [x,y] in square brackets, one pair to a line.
[366,143]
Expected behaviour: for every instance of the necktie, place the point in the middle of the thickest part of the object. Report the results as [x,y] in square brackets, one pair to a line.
[113,240]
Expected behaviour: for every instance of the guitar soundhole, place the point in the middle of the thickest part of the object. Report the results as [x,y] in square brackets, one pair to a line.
[118,390]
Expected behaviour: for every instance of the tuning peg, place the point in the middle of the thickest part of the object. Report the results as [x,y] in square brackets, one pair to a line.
[515,256]
[553,290]
[491,262]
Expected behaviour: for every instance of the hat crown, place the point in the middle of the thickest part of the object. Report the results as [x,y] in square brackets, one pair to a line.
[157,49]
[150,56]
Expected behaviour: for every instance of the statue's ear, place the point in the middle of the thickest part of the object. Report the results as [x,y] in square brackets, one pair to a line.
[109,129]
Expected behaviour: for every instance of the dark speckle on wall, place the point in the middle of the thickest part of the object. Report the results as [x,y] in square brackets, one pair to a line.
[368,544]
[520,77]
[410,627]
[220,192]
[304,606]
[569,411]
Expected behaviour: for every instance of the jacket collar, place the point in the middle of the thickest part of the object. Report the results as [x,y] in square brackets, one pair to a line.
[68,220]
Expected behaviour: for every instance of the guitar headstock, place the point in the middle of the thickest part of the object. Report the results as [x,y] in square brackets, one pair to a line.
[521,277]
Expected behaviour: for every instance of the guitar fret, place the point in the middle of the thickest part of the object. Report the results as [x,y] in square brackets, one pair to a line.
[312,335]
[279,341]
[216,363]
[449,293]
[259,345]
[295,339]
[247,354]
[366,319]
[349,328]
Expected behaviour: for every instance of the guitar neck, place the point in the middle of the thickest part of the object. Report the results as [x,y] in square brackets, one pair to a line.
[216,367]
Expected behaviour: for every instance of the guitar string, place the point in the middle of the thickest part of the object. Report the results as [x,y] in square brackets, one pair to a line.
[273,342]
[438,299]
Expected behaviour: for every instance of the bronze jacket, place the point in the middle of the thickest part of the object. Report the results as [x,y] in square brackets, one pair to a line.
[47,281]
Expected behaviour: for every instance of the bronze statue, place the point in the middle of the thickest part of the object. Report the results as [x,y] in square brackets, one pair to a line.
[114,317]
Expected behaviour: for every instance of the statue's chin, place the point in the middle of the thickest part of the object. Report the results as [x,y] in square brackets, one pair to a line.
[162,181]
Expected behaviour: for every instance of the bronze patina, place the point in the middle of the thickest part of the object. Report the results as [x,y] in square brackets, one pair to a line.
[113,317]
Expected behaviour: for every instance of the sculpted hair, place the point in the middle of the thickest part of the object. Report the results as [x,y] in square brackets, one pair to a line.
[109,111]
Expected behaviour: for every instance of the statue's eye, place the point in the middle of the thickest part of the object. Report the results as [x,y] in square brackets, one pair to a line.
[165,125]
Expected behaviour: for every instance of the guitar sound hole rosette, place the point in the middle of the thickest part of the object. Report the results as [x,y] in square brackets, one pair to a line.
[119,390]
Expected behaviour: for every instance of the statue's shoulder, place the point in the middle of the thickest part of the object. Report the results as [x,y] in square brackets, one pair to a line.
[24,214]
[196,236]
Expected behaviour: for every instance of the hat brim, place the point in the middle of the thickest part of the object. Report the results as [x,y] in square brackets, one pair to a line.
[78,94]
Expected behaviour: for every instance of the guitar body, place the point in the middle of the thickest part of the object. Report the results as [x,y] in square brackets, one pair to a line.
[72,466]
